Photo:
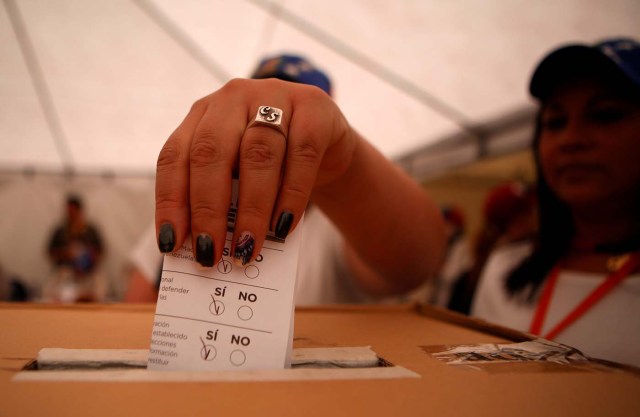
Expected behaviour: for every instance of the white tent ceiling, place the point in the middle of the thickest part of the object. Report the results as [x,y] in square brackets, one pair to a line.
[90,86]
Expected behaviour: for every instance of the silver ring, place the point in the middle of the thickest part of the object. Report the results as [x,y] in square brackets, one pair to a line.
[269,117]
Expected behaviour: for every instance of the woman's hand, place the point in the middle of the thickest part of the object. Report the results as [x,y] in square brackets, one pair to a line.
[278,170]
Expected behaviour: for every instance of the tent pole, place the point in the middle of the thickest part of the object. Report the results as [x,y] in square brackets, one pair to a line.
[40,84]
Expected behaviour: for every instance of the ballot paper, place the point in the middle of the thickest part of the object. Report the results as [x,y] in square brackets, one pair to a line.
[229,316]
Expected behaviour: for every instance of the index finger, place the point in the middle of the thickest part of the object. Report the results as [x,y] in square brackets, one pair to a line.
[172,183]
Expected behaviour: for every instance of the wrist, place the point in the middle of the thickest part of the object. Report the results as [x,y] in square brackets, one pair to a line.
[339,170]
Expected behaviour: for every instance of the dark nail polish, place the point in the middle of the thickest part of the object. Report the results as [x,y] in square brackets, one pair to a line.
[244,248]
[284,224]
[204,250]
[166,238]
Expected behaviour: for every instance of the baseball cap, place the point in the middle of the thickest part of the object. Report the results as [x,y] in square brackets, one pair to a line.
[74,200]
[616,57]
[292,68]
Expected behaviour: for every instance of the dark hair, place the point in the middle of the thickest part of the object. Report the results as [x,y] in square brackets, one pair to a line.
[554,235]
[74,200]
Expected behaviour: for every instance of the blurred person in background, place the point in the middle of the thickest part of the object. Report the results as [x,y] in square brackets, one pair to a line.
[12,288]
[75,250]
[508,217]
[458,260]
[144,269]
[579,282]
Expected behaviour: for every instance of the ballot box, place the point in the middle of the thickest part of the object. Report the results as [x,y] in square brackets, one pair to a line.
[407,360]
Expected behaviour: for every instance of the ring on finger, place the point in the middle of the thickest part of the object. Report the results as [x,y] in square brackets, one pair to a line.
[269,116]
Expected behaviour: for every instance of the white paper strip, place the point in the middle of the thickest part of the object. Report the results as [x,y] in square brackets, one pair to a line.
[139,375]
[338,357]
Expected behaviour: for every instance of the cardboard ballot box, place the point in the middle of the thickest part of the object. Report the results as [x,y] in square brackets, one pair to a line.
[431,362]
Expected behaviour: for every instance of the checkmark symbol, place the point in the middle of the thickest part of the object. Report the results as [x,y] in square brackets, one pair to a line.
[207,351]
[224,266]
[218,307]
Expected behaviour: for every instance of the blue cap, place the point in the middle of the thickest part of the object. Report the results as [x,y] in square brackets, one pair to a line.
[292,68]
[620,56]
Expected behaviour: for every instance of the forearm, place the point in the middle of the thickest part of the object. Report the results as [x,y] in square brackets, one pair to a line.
[393,230]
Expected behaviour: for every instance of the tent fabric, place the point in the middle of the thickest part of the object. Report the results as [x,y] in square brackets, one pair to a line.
[90,90]
[94,86]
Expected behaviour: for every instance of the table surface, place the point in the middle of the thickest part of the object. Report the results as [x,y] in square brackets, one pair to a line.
[397,334]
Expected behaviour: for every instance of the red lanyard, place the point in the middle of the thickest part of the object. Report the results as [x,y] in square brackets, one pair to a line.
[593,298]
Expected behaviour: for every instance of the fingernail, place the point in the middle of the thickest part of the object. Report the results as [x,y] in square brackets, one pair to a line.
[166,238]
[204,250]
[284,224]
[244,248]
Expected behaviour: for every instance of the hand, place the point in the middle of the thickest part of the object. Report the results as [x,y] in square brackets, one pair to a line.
[278,171]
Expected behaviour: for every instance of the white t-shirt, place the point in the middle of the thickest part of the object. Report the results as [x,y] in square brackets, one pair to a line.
[323,277]
[609,330]
[322,274]
[146,256]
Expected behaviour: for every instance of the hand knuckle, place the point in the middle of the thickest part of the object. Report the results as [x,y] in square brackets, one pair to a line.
[259,155]
[168,201]
[206,150]
[200,105]
[253,210]
[206,212]
[297,191]
[306,152]
[316,93]
[234,85]
[170,155]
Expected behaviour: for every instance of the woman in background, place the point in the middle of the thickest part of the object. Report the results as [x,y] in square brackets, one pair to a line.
[578,283]
[509,217]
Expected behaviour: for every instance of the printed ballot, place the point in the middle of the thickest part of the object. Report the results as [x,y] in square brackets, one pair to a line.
[229,316]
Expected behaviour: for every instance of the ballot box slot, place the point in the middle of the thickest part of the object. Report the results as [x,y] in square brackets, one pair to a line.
[130,365]
[88,359]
